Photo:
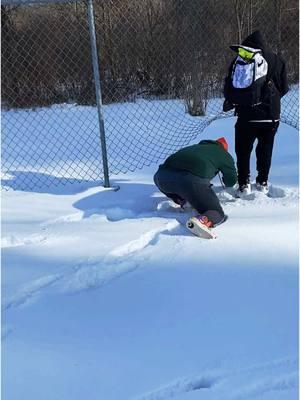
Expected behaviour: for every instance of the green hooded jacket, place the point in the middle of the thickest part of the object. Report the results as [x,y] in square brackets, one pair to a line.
[204,159]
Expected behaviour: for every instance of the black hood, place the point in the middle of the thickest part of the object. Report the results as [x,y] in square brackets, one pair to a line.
[255,40]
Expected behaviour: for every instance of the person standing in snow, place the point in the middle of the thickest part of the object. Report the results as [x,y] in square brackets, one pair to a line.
[185,177]
[257,106]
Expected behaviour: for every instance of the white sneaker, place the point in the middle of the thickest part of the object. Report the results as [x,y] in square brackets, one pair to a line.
[263,187]
[244,190]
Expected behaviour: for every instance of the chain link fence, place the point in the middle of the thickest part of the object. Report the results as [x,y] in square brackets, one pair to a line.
[162,67]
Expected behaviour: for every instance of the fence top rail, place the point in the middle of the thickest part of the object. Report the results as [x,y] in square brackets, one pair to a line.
[35,2]
[32,2]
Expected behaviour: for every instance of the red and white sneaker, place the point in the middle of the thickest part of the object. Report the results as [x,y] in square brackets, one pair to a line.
[201,226]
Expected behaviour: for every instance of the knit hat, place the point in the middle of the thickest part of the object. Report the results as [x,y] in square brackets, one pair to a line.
[223,142]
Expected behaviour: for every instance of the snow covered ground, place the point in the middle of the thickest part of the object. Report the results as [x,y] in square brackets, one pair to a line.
[106,295]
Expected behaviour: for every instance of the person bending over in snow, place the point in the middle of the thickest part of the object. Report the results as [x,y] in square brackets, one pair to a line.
[185,177]
[255,83]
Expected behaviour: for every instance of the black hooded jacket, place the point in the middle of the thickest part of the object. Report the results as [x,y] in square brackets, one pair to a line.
[276,85]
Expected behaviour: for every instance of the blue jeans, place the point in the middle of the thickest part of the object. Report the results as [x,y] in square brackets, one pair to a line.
[182,185]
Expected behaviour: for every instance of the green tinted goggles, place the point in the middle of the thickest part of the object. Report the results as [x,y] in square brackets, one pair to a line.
[246,54]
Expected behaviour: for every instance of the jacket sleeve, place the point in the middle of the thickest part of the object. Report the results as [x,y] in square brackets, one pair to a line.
[283,82]
[229,171]
[227,80]
[225,88]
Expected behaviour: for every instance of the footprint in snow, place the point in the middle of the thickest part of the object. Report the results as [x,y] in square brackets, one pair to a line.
[14,241]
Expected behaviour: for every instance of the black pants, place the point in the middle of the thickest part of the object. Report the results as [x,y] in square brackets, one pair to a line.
[245,135]
[178,184]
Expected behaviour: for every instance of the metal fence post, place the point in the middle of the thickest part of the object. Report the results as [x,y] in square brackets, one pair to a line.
[98,90]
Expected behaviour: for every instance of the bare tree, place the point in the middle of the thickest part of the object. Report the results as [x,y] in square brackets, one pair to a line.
[162,48]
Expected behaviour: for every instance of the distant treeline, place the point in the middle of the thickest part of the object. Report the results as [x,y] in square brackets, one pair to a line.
[148,48]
